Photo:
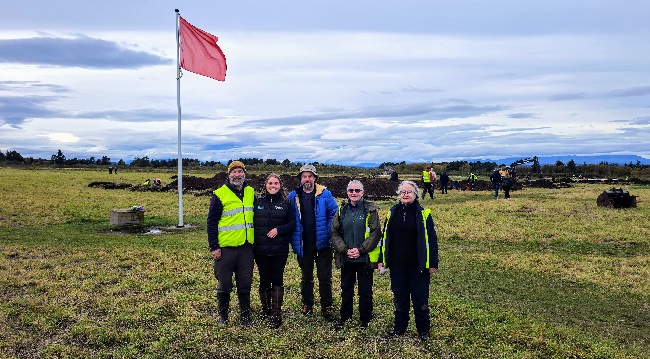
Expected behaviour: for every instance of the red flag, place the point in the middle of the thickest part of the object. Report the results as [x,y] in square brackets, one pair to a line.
[200,53]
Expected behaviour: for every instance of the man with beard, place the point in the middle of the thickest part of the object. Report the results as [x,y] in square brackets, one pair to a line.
[230,237]
[315,208]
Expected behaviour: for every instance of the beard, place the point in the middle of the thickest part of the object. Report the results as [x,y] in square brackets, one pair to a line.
[237,181]
[308,186]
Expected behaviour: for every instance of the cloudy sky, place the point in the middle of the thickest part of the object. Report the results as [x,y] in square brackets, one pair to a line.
[337,81]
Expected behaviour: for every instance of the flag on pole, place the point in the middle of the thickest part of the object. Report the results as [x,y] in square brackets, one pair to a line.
[200,53]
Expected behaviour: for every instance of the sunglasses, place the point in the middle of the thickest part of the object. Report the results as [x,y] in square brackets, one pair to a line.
[356,190]
[408,191]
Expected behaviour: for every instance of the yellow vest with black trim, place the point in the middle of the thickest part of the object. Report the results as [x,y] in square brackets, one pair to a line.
[373,254]
[425,177]
[236,222]
[425,214]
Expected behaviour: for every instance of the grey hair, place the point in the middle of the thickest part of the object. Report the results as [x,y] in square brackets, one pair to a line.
[415,187]
[355,182]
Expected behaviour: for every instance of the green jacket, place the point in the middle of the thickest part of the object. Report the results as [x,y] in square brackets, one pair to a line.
[372,231]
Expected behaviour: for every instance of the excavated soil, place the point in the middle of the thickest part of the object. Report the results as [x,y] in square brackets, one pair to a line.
[375,188]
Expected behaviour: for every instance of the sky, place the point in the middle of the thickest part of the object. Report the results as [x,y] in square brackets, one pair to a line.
[338,81]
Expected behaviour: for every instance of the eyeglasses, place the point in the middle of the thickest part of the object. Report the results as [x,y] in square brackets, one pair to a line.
[356,190]
[408,191]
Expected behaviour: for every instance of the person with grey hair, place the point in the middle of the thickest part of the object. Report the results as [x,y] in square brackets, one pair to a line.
[410,250]
[355,235]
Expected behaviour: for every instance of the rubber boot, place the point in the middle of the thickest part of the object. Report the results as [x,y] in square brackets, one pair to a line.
[277,296]
[265,298]
[223,306]
[245,308]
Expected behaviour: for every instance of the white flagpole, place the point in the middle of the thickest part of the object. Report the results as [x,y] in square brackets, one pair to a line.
[178,103]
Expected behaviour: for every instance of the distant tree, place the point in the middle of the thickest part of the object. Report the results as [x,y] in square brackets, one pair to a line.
[140,162]
[571,166]
[121,162]
[286,163]
[14,156]
[3,157]
[59,158]
[559,163]
[271,161]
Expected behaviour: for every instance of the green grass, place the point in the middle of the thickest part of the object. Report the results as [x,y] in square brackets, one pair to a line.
[546,274]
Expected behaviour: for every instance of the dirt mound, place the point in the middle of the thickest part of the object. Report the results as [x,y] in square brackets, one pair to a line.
[375,188]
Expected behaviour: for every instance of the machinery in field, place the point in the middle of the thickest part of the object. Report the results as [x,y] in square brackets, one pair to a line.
[536,168]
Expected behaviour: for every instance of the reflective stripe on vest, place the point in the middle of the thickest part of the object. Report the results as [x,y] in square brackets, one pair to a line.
[236,222]
[425,214]
[425,176]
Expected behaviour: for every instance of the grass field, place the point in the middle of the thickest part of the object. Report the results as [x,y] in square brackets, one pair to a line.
[546,274]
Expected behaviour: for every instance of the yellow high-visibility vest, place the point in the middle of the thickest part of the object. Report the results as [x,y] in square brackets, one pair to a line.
[236,223]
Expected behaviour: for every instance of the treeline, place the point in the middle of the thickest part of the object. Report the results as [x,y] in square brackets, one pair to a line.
[454,168]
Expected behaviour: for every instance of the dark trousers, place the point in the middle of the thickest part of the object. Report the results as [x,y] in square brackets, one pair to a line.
[237,261]
[443,187]
[323,260]
[496,190]
[271,269]
[506,191]
[428,187]
[410,285]
[351,272]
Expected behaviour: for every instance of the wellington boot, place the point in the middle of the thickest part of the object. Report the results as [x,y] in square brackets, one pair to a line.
[277,297]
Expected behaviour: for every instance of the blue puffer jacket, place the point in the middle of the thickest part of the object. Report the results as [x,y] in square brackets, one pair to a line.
[325,208]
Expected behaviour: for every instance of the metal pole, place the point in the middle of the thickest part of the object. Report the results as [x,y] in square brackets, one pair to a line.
[178,103]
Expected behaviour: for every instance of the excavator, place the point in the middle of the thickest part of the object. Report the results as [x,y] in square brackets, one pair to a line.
[512,168]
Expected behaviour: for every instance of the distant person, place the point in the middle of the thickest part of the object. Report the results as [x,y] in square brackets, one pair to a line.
[315,208]
[147,182]
[394,176]
[456,185]
[115,170]
[274,224]
[472,181]
[495,178]
[410,251]
[506,184]
[231,238]
[110,170]
[444,182]
[355,234]
[426,179]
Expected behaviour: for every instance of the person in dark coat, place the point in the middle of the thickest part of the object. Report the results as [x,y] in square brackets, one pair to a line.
[274,222]
[495,178]
[444,182]
[410,251]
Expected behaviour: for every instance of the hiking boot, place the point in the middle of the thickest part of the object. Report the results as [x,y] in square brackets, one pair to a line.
[223,301]
[364,325]
[265,299]
[338,325]
[394,333]
[424,336]
[327,314]
[306,310]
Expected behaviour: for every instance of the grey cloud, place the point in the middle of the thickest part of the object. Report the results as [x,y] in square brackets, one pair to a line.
[403,113]
[80,51]
[14,110]
[641,120]
[567,97]
[631,91]
[31,85]
[523,115]
[136,115]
